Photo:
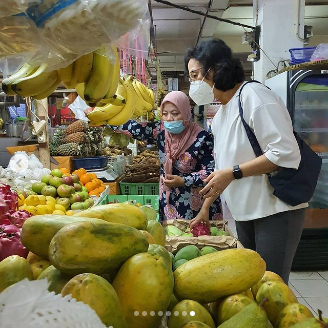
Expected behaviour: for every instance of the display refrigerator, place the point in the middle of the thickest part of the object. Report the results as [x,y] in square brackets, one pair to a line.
[305,93]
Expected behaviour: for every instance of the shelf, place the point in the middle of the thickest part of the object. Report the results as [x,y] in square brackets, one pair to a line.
[310,130]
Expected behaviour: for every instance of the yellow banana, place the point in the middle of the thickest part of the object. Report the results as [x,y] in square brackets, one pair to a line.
[100,78]
[127,112]
[104,113]
[22,72]
[65,74]
[116,100]
[49,91]
[82,69]
[95,123]
[115,75]
[79,88]
[141,104]
[35,83]
[144,91]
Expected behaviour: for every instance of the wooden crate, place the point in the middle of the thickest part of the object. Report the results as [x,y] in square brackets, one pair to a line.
[63,162]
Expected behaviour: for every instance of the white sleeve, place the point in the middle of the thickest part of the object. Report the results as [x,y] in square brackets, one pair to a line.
[273,128]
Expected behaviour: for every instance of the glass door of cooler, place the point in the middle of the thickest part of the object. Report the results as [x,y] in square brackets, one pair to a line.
[311,122]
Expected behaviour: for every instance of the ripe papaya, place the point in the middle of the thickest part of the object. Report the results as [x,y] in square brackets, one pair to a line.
[292,314]
[149,237]
[278,296]
[235,270]
[268,276]
[96,247]
[157,231]
[118,213]
[14,269]
[38,231]
[56,279]
[37,263]
[160,250]
[188,310]
[144,286]
[99,294]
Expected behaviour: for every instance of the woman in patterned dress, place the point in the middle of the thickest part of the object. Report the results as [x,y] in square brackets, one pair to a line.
[186,157]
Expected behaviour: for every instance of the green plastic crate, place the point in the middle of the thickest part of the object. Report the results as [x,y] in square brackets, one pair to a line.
[113,199]
[128,188]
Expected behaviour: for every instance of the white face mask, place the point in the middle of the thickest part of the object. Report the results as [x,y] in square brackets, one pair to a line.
[201,92]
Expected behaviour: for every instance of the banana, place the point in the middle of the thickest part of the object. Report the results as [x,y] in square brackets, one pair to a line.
[96,123]
[142,105]
[104,113]
[127,112]
[115,76]
[79,88]
[22,72]
[35,83]
[49,91]
[65,74]
[121,91]
[116,100]
[144,91]
[82,69]
[100,79]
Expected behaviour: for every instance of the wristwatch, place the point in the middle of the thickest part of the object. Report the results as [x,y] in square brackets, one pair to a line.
[237,172]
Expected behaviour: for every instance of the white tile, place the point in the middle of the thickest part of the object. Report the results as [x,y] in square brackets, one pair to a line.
[296,275]
[318,303]
[297,294]
[324,274]
[303,301]
[311,288]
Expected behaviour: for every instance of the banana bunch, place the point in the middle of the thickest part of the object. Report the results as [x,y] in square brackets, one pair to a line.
[33,81]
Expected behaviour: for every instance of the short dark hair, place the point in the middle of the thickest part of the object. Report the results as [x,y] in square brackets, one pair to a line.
[216,55]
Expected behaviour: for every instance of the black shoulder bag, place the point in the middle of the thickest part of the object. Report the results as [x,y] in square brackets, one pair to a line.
[292,186]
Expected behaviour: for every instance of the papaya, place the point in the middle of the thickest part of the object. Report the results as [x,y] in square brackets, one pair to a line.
[149,237]
[99,294]
[37,263]
[144,286]
[173,303]
[38,231]
[231,305]
[268,276]
[235,270]
[292,314]
[188,310]
[96,247]
[160,250]
[56,279]
[157,231]
[195,324]
[278,296]
[187,253]
[14,269]
[248,293]
[118,213]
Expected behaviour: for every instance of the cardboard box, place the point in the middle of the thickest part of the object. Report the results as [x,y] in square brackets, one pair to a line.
[63,162]
[114,187]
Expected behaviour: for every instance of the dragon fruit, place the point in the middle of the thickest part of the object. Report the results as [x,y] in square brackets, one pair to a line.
[10,243]
[200,229]
[19,217]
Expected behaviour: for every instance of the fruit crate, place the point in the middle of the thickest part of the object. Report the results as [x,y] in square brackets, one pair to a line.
[90,163]
[129,188]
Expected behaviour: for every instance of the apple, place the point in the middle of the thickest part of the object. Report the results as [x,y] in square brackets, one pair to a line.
[77,206]
[64,201]
[67,180]
[56,173]
[37,187]
[49,191]
[65,190]
[75,198]
[55,181]
[77,186]
[75,177]
[89,201]
[84,189]
[45,179]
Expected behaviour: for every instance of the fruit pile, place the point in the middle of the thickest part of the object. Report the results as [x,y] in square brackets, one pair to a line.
[200,229]
[57,193]
[93,185]
[112,258]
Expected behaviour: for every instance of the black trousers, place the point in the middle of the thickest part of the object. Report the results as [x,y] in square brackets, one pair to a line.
[275,238]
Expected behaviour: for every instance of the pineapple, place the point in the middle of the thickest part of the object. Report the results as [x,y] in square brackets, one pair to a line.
[69,149]
[77,137]
[77,126]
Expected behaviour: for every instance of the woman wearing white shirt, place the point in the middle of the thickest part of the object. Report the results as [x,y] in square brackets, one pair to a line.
[264,222]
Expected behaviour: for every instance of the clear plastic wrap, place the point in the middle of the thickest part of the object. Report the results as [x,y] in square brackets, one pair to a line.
[320,53]
[13,7]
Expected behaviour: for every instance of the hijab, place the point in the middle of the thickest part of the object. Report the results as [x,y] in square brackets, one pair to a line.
[177,144]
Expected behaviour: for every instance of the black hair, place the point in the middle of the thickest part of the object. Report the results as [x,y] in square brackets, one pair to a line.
[216,55]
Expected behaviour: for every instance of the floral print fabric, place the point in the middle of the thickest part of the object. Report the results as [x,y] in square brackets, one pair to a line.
[194,166]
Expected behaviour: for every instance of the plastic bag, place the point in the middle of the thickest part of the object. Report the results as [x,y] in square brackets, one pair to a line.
[320,53]
[78,106]
[12,7]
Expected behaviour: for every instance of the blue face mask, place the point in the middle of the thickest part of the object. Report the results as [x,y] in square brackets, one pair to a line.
[174,127]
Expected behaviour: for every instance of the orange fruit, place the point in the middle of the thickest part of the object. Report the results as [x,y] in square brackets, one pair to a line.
[93,193]
[78,173]
[64,170]
[85,178]
[101,189]
[93,176]
[96,182]
[83,170]
[90,186]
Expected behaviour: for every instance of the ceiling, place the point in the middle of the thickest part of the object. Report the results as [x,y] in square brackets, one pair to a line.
[176,30]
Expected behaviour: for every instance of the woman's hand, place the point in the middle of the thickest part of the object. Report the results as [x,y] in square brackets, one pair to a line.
[173,181]
[218,181]
[202,216]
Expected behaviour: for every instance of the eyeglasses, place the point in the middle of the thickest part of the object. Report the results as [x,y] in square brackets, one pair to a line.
[193,74]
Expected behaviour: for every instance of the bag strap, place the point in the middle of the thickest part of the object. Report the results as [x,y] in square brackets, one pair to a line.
[250,134]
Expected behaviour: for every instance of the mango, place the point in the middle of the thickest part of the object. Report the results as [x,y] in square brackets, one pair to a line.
[14,269]
[98,293]
[187,253]
[178,263]
[207,250]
